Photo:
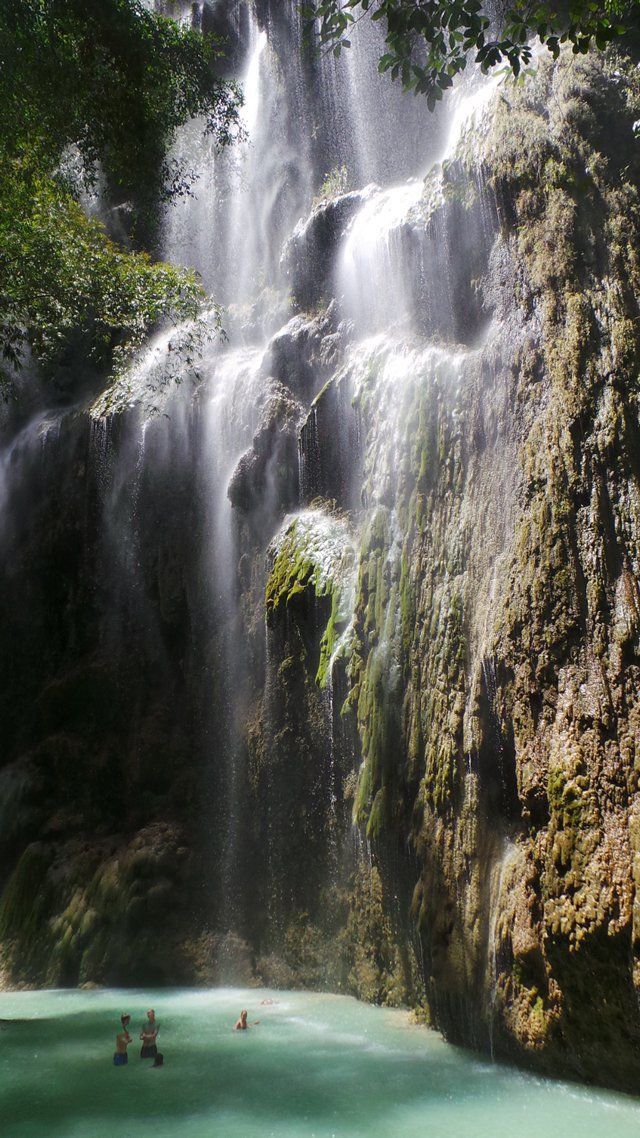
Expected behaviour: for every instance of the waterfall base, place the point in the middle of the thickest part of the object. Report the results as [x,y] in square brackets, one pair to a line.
[316,1066]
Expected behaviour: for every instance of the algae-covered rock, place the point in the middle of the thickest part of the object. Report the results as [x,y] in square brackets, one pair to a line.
[497,711]
[85,911]
[313,560]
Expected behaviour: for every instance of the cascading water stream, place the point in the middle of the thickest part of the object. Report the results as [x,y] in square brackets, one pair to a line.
[221,432]
[371,273]
[230,421]
[392,285]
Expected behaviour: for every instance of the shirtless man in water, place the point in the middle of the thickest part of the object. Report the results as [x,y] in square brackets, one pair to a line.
[123,1039]
[242,1024]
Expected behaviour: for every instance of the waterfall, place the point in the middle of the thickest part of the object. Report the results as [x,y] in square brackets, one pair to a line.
[320,632]
[372,266]
[343,309]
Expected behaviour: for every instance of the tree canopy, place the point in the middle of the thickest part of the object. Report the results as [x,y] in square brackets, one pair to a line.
[429,42]
[109,82]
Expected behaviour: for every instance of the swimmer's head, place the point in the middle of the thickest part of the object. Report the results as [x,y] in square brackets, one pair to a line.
[151,1014]
[125,1019]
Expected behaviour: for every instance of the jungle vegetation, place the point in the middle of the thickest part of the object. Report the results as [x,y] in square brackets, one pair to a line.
[94,92]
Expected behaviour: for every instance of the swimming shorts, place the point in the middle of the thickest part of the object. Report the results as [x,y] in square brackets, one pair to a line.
[120,1059]
[149,1052]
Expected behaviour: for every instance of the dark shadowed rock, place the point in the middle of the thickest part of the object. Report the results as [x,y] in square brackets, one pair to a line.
[266,476]
[304,353]
[330,446]
[309,255]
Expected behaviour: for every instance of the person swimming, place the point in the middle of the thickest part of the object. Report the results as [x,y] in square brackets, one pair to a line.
[123,1039]
[242,1024]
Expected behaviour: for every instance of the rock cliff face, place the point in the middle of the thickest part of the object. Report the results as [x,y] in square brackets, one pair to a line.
[489,671]
[518,703]
[394,750]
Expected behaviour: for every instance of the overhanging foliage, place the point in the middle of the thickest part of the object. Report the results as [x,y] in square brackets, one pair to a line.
[429,42]
[112,81]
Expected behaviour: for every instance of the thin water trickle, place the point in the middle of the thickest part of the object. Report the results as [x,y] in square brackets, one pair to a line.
[230,419]
[468,110]
[508,855]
